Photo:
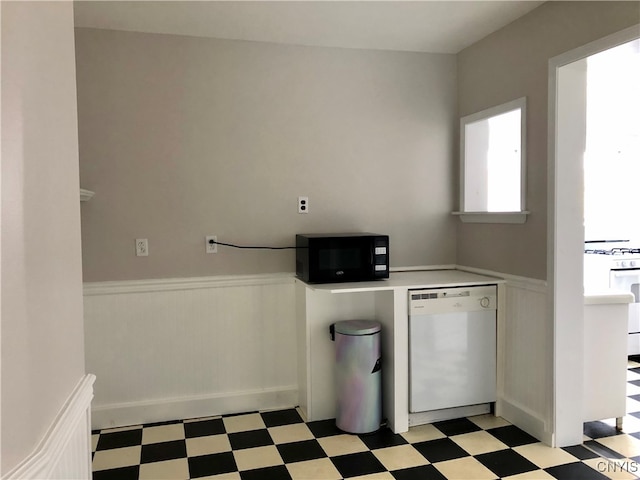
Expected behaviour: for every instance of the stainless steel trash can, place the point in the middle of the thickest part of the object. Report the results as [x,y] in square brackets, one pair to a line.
[358,375]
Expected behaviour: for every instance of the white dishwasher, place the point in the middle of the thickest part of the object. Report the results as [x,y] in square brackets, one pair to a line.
[452,347]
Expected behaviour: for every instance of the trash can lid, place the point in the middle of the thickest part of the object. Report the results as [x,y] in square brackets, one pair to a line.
[357,327]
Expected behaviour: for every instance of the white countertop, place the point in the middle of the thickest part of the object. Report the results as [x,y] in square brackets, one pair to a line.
[608,297]
[411,279]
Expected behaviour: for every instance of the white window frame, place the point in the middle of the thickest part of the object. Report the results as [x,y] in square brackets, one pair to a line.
[486,216]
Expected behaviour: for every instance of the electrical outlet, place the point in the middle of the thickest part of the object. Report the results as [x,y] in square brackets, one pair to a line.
[303,204]
[210,244]
[142,247]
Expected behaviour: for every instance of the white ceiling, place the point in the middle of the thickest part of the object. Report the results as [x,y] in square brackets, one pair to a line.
[417,26]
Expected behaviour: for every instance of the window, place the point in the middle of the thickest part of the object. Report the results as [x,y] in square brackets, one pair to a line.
[492,164]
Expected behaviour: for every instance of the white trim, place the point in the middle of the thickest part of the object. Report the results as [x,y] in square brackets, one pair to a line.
[608,298]
[221,281]
[116,287]
[565,301]
[86,195]
[1,249]
[526,420]
[473,217]
[172,284]
[526,283]
[518,103]
[605,43]
[196,406]
[422,268]
[423,418]
[492,217]
[42,463]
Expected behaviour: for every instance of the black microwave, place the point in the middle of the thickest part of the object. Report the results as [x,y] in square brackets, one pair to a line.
[343,257]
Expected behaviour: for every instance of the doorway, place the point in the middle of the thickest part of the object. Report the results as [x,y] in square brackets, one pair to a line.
[612,150]
[565,237]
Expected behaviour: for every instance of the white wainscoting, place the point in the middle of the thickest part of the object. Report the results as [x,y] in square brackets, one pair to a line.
[525,355]
[65,450]
[187,348]
[528,359]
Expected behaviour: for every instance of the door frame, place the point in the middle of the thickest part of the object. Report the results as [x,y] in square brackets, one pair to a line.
[565,245]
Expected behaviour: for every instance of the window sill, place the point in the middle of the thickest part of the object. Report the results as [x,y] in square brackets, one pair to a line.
[492,217]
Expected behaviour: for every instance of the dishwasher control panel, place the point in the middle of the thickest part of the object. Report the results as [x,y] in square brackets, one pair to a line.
[439,300]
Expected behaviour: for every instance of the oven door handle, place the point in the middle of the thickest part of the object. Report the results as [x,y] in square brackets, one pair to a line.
[626,273]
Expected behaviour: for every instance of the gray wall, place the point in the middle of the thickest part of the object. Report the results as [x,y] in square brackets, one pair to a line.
[42,324]
[181,137]
[512,63]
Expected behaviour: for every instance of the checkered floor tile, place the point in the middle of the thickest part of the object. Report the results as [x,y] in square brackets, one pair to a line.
[280,445]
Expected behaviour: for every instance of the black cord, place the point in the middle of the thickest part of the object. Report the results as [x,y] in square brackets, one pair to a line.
[253,247]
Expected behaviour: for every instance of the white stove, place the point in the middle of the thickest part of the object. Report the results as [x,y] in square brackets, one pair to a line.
[615,265]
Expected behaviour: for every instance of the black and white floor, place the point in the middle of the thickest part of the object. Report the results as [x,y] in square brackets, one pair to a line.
[279,445]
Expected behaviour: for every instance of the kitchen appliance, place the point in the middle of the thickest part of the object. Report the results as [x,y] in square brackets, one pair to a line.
[616,265]
[342,257]
[452,349]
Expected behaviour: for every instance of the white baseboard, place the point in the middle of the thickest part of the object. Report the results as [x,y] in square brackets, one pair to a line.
[65,450]
[526,420]
[135,413]
[422,418]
